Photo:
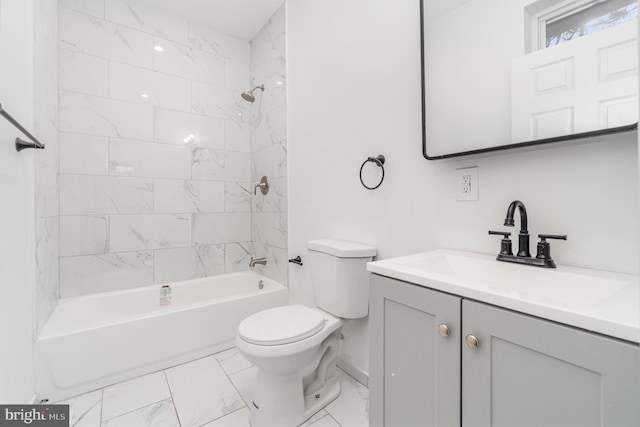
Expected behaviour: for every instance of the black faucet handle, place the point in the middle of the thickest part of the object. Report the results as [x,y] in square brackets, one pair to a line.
[505,234]
[544,249]
[505,243]
[552,236]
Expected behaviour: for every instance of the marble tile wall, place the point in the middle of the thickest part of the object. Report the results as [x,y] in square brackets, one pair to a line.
[45,95]
[155,153]
[269,146]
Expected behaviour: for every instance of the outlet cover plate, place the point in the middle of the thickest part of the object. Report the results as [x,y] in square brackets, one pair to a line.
[467,184]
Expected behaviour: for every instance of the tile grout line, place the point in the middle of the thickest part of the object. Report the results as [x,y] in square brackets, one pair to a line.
[236,388]
[173,403]
[331,416]
[101,404]
[231,381]
[225,415]
[137,409]
[58,145]
[155,143]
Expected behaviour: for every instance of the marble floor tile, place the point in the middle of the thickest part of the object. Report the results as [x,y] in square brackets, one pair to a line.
[232,361]
[134,394]
[238,418]
[208,392]
[316,417]
[202,392]
[85,410]
[327,421]
[161,414]
[244,382]
[351,408]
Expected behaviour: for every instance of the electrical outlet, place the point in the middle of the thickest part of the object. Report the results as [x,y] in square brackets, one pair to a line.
[467,184]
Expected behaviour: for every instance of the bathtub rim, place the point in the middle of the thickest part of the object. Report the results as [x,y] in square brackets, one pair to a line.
[271,286]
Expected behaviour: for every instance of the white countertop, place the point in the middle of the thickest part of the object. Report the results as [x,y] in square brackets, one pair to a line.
[599,301]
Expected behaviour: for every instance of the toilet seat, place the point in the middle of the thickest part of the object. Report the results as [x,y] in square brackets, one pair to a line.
[281,325]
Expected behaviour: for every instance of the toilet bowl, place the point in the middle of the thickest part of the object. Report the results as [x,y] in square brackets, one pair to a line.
[295,355]
[294,348]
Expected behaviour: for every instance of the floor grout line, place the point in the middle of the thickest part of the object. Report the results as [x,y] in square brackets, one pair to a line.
[234,384]
[173,402]
[101,404]
[331,416]
[225,415]
[137,409]
[322,417]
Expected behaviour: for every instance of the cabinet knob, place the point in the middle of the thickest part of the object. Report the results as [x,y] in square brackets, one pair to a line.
[443,330]
[472,341]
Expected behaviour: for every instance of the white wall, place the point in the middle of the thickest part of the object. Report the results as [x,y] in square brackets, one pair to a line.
[354,92]
[17,252]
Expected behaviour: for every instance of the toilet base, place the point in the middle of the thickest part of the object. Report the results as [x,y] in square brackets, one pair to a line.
[272,414]
[328,394]
[290,376]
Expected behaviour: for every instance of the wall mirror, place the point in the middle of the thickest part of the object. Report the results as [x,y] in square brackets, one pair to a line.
[500,74]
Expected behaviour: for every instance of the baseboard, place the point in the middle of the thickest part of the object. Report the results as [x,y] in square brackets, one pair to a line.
[354,372]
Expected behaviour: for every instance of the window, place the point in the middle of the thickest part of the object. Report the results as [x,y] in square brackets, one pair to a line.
[572,19]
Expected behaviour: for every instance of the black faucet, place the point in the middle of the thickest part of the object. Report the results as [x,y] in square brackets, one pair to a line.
[523,236]
[543,257]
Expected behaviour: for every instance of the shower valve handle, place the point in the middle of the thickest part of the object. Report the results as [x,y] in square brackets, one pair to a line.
[263,185]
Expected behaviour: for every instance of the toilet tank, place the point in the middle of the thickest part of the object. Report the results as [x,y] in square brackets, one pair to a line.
[339,276]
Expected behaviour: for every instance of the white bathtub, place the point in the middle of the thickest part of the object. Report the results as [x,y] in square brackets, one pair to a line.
[96,340]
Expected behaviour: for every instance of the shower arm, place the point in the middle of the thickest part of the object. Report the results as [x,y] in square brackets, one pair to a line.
[261,87]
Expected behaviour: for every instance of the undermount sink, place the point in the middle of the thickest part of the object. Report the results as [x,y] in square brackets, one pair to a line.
[595,300]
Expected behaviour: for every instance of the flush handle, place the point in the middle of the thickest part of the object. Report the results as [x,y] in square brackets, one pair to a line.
[443,330]
[472,341]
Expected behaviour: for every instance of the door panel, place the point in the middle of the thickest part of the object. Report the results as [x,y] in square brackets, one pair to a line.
[583,85]
[414,371]
[531,372]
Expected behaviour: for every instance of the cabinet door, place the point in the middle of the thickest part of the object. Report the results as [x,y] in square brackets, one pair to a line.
[531,372]
[414,377]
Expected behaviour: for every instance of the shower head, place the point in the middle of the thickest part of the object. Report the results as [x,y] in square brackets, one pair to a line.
[248,95]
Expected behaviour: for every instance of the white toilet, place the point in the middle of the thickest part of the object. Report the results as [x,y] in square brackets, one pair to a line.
[295,347]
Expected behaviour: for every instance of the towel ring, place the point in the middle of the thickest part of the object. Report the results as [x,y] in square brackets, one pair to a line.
[379,160]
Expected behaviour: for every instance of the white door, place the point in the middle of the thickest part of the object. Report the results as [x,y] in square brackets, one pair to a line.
[578,86]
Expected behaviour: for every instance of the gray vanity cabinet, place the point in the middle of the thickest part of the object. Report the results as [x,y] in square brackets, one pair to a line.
[527,371]
[496,367]
[414,377]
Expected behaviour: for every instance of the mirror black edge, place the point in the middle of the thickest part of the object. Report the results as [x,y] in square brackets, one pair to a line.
[563,138]
[423,86]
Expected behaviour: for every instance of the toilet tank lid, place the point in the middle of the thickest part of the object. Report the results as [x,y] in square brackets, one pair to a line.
[342,249]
